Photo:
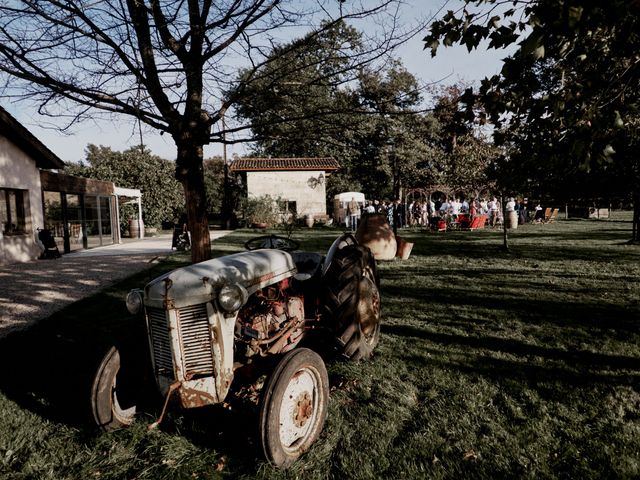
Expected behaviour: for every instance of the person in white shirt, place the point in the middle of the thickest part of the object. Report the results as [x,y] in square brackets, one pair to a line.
[493,207]
[454,207]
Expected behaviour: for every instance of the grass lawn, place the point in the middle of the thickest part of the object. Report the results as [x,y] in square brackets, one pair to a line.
[491,365]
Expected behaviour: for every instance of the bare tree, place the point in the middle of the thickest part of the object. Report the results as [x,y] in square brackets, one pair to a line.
[169,64]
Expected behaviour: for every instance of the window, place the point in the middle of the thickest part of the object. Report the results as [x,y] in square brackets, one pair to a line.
[12,211]
[290,206]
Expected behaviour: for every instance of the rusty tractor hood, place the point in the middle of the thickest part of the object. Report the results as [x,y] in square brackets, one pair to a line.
[201,282]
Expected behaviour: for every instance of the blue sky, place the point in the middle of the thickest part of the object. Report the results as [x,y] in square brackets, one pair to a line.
[450,65]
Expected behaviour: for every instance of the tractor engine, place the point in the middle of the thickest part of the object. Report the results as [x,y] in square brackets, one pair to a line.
[271,322]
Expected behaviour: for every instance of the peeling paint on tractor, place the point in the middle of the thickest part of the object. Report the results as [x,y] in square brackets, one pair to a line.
[196,393]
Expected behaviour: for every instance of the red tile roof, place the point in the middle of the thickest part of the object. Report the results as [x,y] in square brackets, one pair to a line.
[275,164]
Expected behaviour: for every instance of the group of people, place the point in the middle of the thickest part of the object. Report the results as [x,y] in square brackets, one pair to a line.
[428,212]
[394,211]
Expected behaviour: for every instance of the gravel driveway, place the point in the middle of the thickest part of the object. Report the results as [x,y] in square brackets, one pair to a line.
[34,290]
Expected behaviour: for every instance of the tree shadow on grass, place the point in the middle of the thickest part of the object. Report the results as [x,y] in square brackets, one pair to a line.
[49,368]
[573,367]
[563,312]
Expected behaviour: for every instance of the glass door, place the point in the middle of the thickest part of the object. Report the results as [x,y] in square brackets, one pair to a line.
[53,219]
[106,234]
[92,220]
[74,222]
[98,221]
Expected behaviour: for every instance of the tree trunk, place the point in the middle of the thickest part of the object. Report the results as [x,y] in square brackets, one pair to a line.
[635,233]
[396,190]
[190,172]
[505,236]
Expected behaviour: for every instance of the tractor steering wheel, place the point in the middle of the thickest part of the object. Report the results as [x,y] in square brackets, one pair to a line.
[272,241]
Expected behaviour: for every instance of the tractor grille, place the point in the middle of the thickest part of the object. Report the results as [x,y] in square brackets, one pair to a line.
[160,342]
[196,340]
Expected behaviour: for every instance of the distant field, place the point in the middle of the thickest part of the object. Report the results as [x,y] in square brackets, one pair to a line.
[491,365]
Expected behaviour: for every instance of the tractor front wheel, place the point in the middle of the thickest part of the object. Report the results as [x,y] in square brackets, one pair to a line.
[294,406]
[112,395]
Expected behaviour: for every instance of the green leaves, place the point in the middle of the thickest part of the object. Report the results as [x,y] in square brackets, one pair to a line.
[566,102]
[617,121]
[607,153]
[503,36]
[532,45]
[575,15]
[162,195]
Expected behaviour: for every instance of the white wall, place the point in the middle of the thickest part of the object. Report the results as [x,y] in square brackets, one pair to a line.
[292,186]
[19,171]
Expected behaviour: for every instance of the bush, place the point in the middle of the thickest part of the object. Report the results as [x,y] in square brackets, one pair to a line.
[162,194]
[264,209]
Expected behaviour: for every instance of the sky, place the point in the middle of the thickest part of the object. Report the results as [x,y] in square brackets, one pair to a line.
[450,65]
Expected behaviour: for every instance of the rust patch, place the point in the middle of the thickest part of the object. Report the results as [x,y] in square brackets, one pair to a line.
[262,278]
[168,302]
[303,410]
[190,398]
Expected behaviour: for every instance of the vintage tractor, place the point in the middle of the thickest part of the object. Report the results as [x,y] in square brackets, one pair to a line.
[217,326]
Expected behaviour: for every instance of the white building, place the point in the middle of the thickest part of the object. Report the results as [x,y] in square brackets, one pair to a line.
[299,181]
[80,212]
[22,156]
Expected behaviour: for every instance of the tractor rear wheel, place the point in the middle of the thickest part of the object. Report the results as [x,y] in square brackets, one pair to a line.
[352,301]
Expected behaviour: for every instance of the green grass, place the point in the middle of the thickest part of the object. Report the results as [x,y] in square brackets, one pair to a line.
[491,365]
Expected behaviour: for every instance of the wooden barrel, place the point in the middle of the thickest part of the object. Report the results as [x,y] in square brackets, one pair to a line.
[375,232]
[134,228]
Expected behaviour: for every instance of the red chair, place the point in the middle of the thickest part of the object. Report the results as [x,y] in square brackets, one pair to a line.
[478,222]
[464,219]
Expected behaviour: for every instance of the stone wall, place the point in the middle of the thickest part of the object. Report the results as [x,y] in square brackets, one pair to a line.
[302,187]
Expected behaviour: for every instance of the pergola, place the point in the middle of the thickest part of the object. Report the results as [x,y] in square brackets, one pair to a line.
[130,196]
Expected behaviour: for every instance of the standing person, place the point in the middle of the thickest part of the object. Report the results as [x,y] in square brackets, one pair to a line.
[416,213]
[484,206]
[499,217]
[399,213]
[454,206]
[492,207]
[431,209]
[388,211]
[522,211]
[444,208]
[353,210]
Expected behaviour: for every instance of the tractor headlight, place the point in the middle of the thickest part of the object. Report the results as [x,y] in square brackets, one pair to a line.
[134,301]
[232,297]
